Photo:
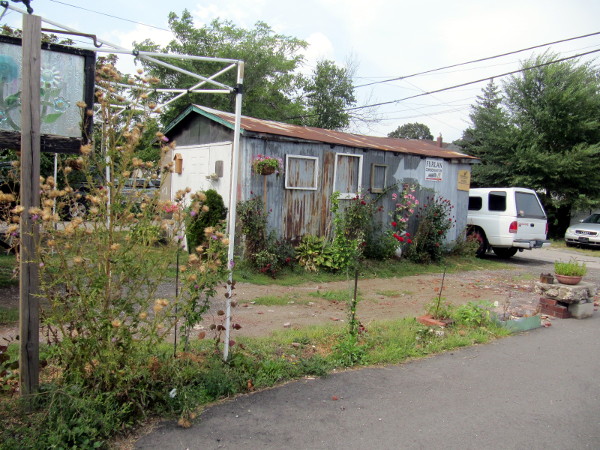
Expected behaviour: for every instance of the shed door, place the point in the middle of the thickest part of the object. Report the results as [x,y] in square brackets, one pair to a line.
[347,174]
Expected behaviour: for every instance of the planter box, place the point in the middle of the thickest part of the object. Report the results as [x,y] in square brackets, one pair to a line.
[520,323]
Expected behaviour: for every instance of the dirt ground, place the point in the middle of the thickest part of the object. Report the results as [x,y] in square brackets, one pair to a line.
[380,299]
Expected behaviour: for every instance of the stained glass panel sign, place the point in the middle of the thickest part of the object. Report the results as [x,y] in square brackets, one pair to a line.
[62,86]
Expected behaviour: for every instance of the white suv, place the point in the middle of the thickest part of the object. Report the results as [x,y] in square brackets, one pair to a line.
[507,220]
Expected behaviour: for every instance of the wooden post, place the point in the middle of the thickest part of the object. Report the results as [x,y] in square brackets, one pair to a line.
[30,197]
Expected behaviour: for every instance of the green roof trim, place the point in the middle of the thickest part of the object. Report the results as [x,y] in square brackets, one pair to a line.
[194,109]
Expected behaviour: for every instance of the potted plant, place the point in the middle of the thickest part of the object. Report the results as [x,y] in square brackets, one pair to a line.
[266,165]
[569,272]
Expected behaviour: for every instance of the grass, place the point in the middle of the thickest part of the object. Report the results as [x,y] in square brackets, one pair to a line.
[7,266]
[560,244]
[370,269]
[202,377]
[274,300]
[8,315]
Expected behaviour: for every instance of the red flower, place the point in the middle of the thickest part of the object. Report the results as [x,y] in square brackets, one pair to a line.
[394,224]
[362,202]
[407,234]
[409,241]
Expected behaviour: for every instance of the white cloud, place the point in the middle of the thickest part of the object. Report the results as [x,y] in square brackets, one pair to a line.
[319,47]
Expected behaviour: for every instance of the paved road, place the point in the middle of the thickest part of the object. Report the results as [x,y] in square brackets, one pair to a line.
[537,390]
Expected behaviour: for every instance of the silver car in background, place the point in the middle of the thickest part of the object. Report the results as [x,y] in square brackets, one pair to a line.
[584,233]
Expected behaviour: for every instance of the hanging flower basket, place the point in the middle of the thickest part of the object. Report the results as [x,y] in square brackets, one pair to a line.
[266,165]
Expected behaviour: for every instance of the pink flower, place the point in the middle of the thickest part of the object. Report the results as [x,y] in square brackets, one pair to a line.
[394,196]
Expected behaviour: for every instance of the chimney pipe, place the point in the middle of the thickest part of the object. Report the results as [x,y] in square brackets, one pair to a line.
[440,141]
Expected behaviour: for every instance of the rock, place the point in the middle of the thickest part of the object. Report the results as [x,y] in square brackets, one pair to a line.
[287,325]
[296,344]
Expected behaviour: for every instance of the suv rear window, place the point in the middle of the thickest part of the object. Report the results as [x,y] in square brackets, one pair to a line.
[475,203]
[529,206]
[497,201]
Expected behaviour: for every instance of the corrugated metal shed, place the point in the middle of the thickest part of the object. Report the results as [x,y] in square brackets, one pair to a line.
[317,162]
[250,124]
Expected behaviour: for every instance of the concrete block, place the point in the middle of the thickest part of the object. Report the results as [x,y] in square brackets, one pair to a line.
[581,310]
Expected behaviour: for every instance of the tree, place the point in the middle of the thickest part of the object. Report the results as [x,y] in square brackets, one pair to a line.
[556,108]
[328,93]
[412,131]
[489,139]
[271,79]
[543,134]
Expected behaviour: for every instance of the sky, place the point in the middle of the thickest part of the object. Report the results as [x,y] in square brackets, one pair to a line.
[383,38]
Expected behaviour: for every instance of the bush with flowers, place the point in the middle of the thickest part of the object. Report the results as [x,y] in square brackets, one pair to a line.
[266,165]
[405,204]
[435,219]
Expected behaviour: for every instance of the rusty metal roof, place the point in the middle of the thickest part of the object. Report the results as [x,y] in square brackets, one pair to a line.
[250,124]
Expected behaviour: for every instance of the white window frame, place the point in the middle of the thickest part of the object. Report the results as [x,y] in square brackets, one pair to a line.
[315,174]
[385,175]
[348,195]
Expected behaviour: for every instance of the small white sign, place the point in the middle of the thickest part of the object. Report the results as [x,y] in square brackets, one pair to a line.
[434,170]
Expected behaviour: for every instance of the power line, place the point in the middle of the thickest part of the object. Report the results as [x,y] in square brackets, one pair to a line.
[110,15]
[354,108]
[478,60]
[472,82]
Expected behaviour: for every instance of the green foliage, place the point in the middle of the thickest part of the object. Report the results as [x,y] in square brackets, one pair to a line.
[349,352]
[464,245]
[271,78]
[439,308]
[542,132]
[473,314]
[490,132]
[253,220]
[8,265]
[309,252]
[328,94]
[216,213]
[435,220]
[570,268]
[412,131]
[8,315]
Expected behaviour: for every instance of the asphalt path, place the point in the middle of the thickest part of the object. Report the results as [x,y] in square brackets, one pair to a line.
[539,389]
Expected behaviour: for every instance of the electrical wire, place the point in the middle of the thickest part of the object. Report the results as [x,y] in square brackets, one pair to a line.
[110,15]
[468,82]
[477,60]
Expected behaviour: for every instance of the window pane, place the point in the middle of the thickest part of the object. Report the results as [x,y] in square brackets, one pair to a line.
[497,201]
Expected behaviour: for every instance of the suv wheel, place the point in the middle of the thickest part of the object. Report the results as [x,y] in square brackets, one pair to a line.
[478,235]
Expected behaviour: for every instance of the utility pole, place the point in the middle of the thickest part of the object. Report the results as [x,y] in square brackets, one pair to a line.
[29,315]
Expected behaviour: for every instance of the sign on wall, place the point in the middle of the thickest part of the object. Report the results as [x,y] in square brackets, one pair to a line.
[464,180]
[434,169]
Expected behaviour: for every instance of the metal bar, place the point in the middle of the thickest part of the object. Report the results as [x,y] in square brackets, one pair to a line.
[233,202]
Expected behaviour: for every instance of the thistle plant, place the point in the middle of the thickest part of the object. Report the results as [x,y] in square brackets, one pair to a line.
[101,273]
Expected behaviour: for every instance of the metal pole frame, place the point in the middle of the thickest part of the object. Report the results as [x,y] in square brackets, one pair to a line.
[223,88]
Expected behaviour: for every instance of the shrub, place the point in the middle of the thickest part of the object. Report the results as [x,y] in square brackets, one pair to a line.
[435,219]
[473,314]
[309,252]
[253,221]
[216,213]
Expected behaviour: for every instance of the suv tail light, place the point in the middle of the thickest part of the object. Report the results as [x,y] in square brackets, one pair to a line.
[546,228]
[512,228]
